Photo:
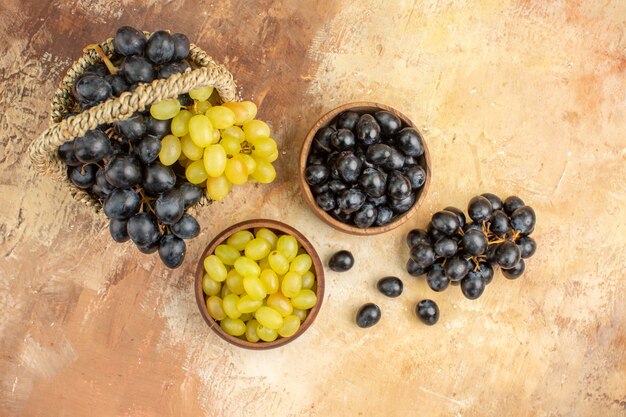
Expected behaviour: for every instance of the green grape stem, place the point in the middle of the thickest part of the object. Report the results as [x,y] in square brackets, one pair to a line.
[105,59]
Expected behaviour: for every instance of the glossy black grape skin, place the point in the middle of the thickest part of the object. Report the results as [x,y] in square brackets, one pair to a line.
[342,139]
[479,209]
[340,215]
[485,272]
[320,188]
[143,229]
[321,140]
[512,203]
[83,176]
[436,278]
[341,261]
[129,41]
[97,69]
[347,120]
[326,201]
[316,159]
[118,84]
[172,251]
[472,226]
[147,149]
[102,183]
[459,214]
[66,154]
[158,128]
[398,186]
[372,181]
[316,174]
[491,255]
[416,176]
[523,220]
[158,178]
[349,167]
[92,89]
[433,233]
[123,171]
[148,249]
[499,223]
[121,204]
[169,207]
[137,69]
[408,141]
[336,186]
[93,146]
[496,202]
[390,286]
[427,311]
[527,246]
[384,216]
[365,217]
[160,47]
[474,243]
[167,70]
[416,236]
[423,254]
[191,194]
[118,230]
[414,269]
[350,200]
[472,287]
[508,254]
[516,271]
[457,268]
[367,130]
[395,161]
[446,247]
[186,228]
[368,315]
[378,153]
[133,128]
[446,222]
[389,123]
[181,46]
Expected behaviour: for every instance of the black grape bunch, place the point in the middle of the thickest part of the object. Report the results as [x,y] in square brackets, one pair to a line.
[454,251]
[118,164]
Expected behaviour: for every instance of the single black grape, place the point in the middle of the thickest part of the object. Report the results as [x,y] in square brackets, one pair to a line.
[479,209]
[350,200]
[408,140]
[398,186]
[137,69]
[484,271]
[336,186]
[160,47]
[117,228]
[516,271]
[123,171]
[92,89]
[143,229]
[496,202]
[341,261]
[172,251]
[102,183]
[118,83]
[427,311]
[83,176]
[129,41]
[414,269]
[436,278]
[457,268]
[316,174]
[321,140]
[342,139]
[148,249]
[186,228]
[378,153]
[411,160]
[191,193]
[384,216]
[389,123]
[147,149]
[133,128]
[446,222]
[416,176]
[315,158]
[367,130]
[499,223]
[347,120]
[349,167]
[326,201]
[446,247]
[368,315]
[423,254]
[158,178]
[523,220]
[512,203]
[181,46]
[395,161]
[185,100]
[472,287]
[433,233]
[527,246]
[474,243]
[366,216]
[170,206]
[158,128]
[390,286]
[93,146]
[459,215]
[320,188]
[66,154]
[372,181]
[416,236]
[121,204]
[508,254]
[400,206]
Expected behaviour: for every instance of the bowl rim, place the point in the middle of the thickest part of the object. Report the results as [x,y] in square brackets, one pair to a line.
[274,225]
[304,153]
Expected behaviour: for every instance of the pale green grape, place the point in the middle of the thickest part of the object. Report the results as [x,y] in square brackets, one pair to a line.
[227,254]
[214,160]
[268,235]
[270,281]
[305,300]
[269,158]
[165,109]
[268,317]
[229,304]
[209,286]
[240,239]
[288,246]
[278,262]
[301,264]
[247,304]
[257,249]
[200,107]
[254,287]
[234,281]
[301,314]
[190,149]
[234,132]
[215,268]
[256,129]
[201,93]
[263,147]
[195,172]
[225,291]
[308,280]
[221,117]
[233,327]
[214,307]
[266,334]
[251,327]
[280,303]
[247,267]
[240,111]
[170,150]
[292,284]
[201,130]
[250,163]
[218,188]
[231,146]
[179,123]
[264,172]
[290,326]
[250,109]
[246,316]
[236,170]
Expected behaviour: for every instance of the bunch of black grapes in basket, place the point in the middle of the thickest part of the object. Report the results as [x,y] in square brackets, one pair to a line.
[455,251]
[118,164]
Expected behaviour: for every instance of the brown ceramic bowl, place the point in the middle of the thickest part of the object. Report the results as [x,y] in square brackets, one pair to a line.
[279,228]
[327,119]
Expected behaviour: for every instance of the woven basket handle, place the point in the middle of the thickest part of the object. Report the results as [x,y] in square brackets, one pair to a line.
[43,150]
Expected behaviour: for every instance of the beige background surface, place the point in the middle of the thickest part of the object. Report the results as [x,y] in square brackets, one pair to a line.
[515,97]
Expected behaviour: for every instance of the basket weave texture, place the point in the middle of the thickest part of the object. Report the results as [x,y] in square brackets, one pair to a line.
[43,151]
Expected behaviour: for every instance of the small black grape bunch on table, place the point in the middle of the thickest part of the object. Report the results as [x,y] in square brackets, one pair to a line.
[455,251]
[118,164]
[366,169]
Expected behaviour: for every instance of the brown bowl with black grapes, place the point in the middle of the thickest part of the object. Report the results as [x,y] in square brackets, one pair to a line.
[364,168]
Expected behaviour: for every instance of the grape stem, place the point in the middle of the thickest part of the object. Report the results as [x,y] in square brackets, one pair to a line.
[112,68]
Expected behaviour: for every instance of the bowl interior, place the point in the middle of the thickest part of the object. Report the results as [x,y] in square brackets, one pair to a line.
[326,120]
[279,228]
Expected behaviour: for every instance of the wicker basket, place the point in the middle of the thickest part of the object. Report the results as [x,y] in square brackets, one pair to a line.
[43,151]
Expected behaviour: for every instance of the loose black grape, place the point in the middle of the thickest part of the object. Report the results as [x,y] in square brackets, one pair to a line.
[485,272]
[367,130]
[388,122]
[423,254]
[479,209]
[511,204]
[160,47]
[499,223]
[143,229]
[459,214]
[123,171]
[186,228]
[457,268]
[416,236]
[349,166]
[172,251]
[508,254]
[347,120]
[92,89]
[366,216]
[350,200]
[83,176]
[341,261]
[372,181]
[472,287]
[496,202]
[137,69]
[326,201]
[516,271]
[408,140]
[527,246]
[446,222]
[446,247]
[416,176]
[158,178]
[378,153]
[118,83]
[414,269]
[398,186]
[321,140]
[191,193]
[390,286]
[129,41]
[181,46]
[170,206]
[395,161]
[402,205]
[118,230]
[147,150]
[342,139]
[121,204]
[66,154]
[316,174]
[427,311]
[472,226]
[436,278]
[474,242]
[384,216]
[158,128]
[368,315]
[92,147]
[523,220]
[133,128]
